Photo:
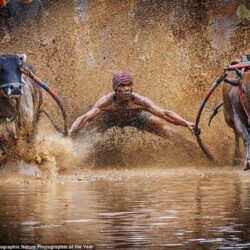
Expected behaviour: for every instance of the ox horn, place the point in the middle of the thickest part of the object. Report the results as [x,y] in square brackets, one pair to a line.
[23,57]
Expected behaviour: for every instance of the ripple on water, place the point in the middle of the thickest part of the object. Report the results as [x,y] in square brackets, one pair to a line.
[200,213]
[77,221]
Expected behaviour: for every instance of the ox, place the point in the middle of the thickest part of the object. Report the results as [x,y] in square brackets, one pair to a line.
[20,104]
[236,102]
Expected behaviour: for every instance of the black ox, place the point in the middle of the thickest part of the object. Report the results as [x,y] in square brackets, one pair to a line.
[20,105]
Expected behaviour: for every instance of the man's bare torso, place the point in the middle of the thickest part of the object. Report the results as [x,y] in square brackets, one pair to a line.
[110,102]
[123,113]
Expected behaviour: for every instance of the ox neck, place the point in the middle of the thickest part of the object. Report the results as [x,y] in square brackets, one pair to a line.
[244,104]
[8,107]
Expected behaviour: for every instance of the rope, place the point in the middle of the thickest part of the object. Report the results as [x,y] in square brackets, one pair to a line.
[45,86]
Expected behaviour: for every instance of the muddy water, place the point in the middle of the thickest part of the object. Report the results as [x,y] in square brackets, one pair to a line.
[182,208]
[175,50]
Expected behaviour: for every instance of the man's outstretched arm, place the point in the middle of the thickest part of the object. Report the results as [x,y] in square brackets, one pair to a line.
[81,121]
[167,115]
[97,109]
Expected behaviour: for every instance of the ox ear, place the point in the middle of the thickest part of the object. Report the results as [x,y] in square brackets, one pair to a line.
[22,58]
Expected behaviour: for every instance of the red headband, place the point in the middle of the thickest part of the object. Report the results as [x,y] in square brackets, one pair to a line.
[120,77]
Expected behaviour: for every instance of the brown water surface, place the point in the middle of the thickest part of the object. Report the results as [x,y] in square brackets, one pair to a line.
[146,209]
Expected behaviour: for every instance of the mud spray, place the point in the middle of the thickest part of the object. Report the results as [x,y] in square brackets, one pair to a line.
[174,49]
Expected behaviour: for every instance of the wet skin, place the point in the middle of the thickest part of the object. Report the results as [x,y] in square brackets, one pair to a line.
[125,100]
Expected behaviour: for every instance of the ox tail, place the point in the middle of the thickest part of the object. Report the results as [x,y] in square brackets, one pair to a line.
[57,128]
[215,112]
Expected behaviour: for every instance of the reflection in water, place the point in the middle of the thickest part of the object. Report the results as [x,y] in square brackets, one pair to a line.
[168,213]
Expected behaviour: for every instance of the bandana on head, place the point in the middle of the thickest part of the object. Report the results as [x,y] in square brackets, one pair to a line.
[120,77]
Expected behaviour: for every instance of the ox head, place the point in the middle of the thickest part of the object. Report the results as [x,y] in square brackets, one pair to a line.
[244,75]
[10,75]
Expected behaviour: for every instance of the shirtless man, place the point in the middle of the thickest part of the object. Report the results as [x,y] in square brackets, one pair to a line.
[124,108]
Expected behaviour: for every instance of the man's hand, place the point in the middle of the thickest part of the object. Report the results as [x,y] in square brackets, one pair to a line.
[193,129]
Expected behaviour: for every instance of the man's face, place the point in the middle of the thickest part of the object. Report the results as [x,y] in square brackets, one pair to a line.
[124,90]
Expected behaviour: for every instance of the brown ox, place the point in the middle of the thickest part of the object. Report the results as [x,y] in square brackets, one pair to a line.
[236,101]
[20,104]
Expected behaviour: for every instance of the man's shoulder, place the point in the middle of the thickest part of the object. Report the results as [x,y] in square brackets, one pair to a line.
[139,97]
[105,100]
[108,96]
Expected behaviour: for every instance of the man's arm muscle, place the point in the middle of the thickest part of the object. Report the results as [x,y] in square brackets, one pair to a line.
[97,109]
[167,115]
